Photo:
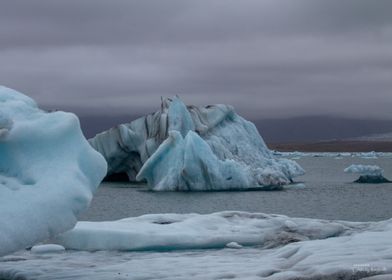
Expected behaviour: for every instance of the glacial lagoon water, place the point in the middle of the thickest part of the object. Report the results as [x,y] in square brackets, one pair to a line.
[328,193]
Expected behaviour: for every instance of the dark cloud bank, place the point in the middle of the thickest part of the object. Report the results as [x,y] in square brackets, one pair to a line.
[279,62]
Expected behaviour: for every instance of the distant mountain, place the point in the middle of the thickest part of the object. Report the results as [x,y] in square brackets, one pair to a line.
[381,137]
[290,130]
[318,128]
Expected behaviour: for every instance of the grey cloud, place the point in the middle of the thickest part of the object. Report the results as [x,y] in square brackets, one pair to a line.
[268,58]
[46,22]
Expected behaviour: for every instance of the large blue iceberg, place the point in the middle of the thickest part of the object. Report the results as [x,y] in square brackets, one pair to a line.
[191,148]
[48,172]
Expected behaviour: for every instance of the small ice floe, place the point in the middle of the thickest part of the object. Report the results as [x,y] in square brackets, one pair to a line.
[372,174]
[345,154]
[369,155]
[296,186]
[47,249]
[234,245]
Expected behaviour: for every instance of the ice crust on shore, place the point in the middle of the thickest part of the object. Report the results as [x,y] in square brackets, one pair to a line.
[274,247]
[195,231]
[193,148]
[48,172]
[295,261]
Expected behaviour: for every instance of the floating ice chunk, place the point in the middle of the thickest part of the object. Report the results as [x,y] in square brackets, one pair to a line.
[296,186]
[48,172]
[369,173]
[47,249]
[234,245]
[361,169]
[345,154]
[194,231]
[193,148]
[370,155]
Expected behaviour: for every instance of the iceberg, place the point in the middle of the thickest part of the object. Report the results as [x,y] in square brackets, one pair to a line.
[195,231]
[47,249]
[372,174]
[48,172]
[189,148]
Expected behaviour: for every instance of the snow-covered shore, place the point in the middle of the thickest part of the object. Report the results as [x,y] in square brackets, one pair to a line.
[276,247]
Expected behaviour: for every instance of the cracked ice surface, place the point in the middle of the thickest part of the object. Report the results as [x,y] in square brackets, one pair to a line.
[288,249]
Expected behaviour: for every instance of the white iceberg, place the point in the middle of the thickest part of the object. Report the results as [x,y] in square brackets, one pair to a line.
[48,172]
[368,173]
[193,148]
[373,170]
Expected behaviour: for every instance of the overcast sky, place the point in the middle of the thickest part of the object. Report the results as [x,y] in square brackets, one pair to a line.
[270,59]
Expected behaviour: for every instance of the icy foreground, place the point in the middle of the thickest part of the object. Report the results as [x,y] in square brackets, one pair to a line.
[273,247]
[48,172]
[193,148]
[194,231]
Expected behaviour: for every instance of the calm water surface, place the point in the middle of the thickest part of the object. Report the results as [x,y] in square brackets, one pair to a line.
[328,194]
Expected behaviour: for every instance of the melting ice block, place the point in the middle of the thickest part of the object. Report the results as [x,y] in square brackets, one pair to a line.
[195,231]
[368,173]
[193,148]
[48,172]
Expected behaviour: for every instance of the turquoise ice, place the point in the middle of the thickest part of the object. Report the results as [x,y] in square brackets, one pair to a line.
[194,148]
[48,172]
